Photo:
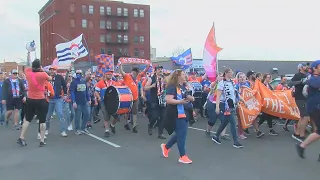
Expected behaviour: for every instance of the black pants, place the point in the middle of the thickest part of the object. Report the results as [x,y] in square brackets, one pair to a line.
[266,117]
[156,114]
[37,107]
[23,112]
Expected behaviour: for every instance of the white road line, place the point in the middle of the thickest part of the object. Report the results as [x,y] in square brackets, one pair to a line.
[198,129]
[103,140]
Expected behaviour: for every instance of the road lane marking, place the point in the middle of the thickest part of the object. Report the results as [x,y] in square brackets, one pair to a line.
[103,140]
[198,129]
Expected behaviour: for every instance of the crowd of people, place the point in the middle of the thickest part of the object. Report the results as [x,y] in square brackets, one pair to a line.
[171,102]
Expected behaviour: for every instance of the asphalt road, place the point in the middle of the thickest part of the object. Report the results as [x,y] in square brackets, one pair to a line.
[139,157]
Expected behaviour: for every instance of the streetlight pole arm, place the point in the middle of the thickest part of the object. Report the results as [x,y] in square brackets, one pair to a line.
[65,39]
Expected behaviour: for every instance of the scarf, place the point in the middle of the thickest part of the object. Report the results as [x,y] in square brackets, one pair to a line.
[180,107]
[160,86]
[15,88]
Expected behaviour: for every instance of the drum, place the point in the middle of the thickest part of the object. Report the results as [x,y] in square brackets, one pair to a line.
[118,100]
[196,89]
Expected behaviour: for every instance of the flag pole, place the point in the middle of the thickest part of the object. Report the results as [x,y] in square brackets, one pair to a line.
[214,37]
[85,41]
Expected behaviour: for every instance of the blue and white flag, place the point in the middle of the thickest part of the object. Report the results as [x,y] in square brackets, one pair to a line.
[184,60]
[70,51]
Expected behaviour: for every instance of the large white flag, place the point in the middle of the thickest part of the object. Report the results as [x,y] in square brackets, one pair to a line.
[70,51]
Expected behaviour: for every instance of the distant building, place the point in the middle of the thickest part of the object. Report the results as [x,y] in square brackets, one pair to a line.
[263,66]
[9,66]
[109,27]
[153,54]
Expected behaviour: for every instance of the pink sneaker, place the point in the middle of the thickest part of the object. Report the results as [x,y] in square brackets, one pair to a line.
[241,136]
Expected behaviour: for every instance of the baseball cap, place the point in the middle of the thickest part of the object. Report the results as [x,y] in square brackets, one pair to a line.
[53,67]
[158,67]
[303,64]
[315,63]
[249,73]
[14,71]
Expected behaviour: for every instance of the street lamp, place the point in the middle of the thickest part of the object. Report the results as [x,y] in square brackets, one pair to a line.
[65,39]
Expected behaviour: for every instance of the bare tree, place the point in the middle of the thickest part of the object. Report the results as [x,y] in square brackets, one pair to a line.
[177,51]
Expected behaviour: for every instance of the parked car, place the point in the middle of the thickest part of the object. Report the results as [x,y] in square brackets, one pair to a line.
[277,80]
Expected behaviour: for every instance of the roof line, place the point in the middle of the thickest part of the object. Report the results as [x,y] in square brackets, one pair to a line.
[45,6]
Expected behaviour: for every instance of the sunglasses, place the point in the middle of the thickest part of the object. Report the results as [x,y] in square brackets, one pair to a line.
[14,73]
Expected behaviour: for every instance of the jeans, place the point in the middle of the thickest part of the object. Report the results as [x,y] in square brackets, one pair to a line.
[84,110]
[69,112]
[179,136]
[225,121]
[91,111]
[213,116]
[57,105]
[3,110]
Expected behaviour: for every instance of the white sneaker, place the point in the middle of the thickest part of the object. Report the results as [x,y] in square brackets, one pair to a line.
[47,132]
[64,134]
[45,137]
[78,132]
[70,127]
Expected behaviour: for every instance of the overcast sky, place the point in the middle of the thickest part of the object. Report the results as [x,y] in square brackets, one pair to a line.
[246,29]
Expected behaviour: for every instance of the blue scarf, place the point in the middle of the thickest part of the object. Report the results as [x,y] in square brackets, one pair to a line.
[15,88]
[180,107]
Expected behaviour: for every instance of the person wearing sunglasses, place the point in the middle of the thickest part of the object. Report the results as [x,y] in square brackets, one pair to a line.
[14,94]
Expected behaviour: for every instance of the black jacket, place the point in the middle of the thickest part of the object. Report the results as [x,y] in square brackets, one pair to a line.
[7,89]
[59,85]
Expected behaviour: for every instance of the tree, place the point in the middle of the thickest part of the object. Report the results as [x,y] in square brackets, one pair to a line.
[177,51]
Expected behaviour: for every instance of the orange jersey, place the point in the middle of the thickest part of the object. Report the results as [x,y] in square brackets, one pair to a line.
[49,90]
[197,79]
[132,84]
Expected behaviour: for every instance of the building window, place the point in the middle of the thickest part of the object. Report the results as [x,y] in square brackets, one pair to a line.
[125,12]
[141,53]
[135,13]
[102,38]
[125,39]
[102,24]
[109,10]
[125,51]
[109,51]
[108,37]
[119,25]
[119,38]
[84,23]
[120,51]
[90,9]
[141,39]
[125,25]
[136,39]
[119,11]
[102,10]
[135,26]
[72,23]
[91,24]
[141,13]
[72,8]
[102,51]
[109,25]
[84,9]
[136,52]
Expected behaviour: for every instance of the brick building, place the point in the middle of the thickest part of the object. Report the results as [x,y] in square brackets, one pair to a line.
[9,66]
[109,27]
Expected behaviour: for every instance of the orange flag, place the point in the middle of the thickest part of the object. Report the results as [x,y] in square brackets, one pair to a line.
[249,112]
[278,103]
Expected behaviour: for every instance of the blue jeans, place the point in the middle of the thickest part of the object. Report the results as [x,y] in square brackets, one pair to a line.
[84,110]
[57,105]
[69,112]
[3,110]
[213,116]
[179,136]
[225,121]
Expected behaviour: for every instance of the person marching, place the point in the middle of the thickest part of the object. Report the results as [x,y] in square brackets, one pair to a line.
[3,108]
[157,101]
[80,102]
[228,98]
[175,118]
[37,104]
[100,89]
[312,108]
[13,96]
[131,80]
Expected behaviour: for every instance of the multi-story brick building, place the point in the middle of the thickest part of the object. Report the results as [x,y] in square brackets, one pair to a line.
[109,27]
